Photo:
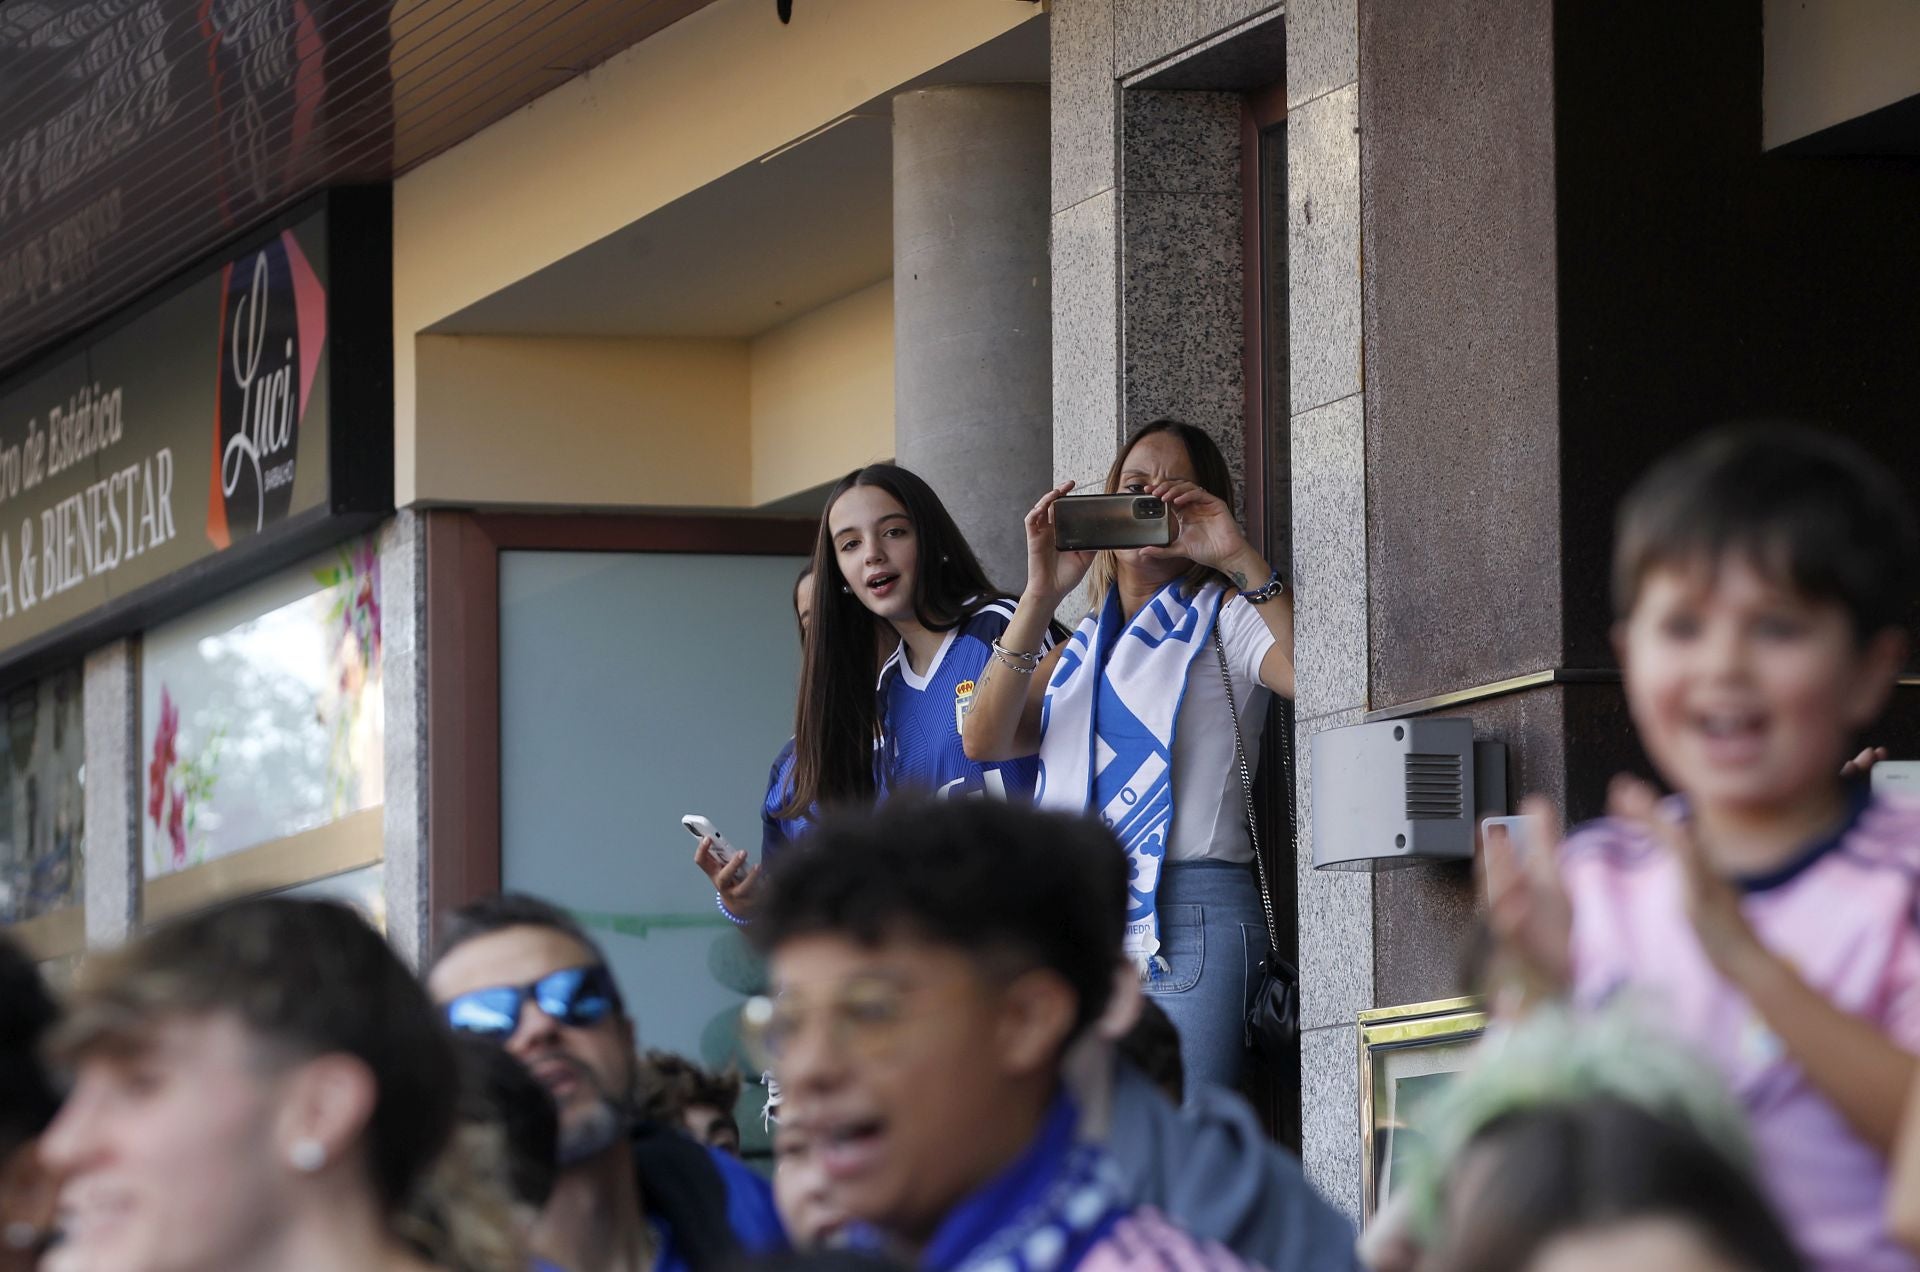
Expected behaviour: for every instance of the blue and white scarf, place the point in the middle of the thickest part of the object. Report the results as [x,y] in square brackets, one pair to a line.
[1044,1212]
[1106,741]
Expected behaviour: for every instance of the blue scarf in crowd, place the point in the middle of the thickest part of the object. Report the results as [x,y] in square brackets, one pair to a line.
[1106,741]
[1042,1213]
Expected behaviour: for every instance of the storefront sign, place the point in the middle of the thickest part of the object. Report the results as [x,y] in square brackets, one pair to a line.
[236,422]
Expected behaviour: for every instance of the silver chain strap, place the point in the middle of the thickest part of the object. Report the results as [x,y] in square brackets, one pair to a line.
[1246,790]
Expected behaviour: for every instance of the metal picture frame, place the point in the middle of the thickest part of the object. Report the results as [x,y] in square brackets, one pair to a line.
[1407,1054]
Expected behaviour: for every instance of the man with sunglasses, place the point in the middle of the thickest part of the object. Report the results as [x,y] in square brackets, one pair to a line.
[931,964]
[631,1196]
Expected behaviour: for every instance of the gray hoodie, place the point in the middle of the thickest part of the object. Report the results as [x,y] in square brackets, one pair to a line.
[1210,1166]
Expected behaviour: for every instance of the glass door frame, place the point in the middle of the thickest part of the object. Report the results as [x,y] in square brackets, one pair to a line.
[462,648]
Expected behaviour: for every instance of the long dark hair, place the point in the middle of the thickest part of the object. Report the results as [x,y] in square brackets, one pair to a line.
[1210,473]
[838,716]
[1565,1169]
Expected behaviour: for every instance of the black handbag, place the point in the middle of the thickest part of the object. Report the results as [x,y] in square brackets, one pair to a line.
[1273,1010]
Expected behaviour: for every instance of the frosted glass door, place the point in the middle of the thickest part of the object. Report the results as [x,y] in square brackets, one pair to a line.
[635,688]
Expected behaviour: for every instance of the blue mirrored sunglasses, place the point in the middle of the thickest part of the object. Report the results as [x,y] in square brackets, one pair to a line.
[573,996]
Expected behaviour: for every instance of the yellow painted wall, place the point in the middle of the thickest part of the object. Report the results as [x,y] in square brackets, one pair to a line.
[822,394]
[1835,60]
[712,92]
[507,420]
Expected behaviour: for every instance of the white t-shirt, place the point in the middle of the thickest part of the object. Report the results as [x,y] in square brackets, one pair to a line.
[1209,811]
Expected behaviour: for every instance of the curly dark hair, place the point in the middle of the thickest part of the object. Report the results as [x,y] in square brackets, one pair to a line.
[672,1083]
[984,876]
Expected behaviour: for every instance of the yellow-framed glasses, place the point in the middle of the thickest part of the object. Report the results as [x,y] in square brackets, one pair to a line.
[865,1017]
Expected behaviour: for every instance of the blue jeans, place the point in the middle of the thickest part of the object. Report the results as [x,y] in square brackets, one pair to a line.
[1213,934]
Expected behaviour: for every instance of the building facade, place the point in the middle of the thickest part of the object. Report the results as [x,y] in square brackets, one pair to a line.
[1441,277]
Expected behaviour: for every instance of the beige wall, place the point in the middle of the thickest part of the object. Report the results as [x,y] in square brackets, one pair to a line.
[1834,60]
[608,422]
[712,92]
[510,420]
[822,394]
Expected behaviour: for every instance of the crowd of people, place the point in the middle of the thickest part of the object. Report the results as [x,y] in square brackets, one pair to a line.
[1007,1032]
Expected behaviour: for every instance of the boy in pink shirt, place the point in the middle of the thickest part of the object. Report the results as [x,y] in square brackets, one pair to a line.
[1766,913]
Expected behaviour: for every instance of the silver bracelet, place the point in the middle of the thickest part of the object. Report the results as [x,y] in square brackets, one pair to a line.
[1020,664]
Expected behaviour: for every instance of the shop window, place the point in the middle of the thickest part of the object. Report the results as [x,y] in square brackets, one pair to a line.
[262,736]
[42,813]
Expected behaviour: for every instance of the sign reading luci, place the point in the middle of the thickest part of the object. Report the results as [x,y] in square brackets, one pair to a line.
[201,433]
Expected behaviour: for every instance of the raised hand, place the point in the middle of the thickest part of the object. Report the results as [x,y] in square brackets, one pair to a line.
[1713,904]
[1051,573]
[730,876]
[1527,906]
[1862,764]
[1207,534]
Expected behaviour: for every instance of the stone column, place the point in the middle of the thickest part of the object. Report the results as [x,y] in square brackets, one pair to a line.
[1330,505]
[973,330]
[403,689]
[111,870]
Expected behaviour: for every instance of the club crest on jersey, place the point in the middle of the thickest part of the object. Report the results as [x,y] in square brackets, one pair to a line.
[962,699]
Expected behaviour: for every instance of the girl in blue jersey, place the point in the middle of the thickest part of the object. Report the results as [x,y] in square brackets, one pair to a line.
[890,560]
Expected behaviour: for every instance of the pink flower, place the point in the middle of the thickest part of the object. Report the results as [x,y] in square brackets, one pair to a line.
[177,827]
[166,739]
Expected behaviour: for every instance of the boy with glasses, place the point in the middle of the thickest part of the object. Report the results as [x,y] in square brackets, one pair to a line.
[631,1196]
[931,964]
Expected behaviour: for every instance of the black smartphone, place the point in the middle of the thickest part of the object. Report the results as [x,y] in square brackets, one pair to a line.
[1087,523]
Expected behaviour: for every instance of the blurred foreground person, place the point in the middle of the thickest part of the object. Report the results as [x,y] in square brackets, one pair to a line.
[922,1009]
[1198,1155]
[27,1103]
[1516,1094]
[497,1092]
[259,1087]
[1762,579]
[503,1157]
[1605,1186]
[631,1195]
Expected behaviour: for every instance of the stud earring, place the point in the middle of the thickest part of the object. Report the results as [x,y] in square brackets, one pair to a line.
[307,1155]
[846,589]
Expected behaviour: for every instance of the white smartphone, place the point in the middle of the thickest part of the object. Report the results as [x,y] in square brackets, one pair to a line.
[1522,833]
[700,828]
[1896,777]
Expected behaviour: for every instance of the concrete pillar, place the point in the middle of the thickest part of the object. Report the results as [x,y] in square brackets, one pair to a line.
[403,691]
[973,331]
[112,870]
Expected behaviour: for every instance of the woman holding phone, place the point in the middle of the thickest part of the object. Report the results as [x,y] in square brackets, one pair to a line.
[1132,722]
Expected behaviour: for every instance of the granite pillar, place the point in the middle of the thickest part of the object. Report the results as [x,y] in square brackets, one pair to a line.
[111,866]
[972,307]
[403,694]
